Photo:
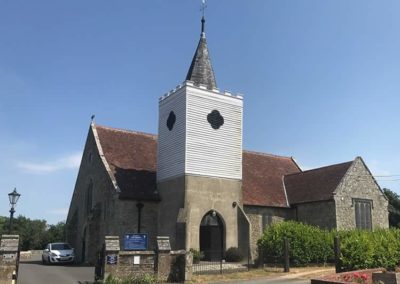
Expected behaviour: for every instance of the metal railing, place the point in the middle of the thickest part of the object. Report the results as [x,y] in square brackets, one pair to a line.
[214,263]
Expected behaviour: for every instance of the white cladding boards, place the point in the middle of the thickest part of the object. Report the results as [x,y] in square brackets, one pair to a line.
[213,152]
[193,146]
[171,143]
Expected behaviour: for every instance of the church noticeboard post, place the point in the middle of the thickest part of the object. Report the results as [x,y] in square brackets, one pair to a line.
[135,242]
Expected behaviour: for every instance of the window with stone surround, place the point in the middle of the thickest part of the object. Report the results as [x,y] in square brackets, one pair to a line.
[363,214]
[266,220]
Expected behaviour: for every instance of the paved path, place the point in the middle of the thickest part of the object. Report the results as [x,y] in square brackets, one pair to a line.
[34,272]
[268,280]
[292,278]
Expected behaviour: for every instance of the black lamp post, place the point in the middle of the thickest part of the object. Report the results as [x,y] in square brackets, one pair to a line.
[13,197]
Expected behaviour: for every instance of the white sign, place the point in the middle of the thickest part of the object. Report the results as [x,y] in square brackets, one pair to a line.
[136,259]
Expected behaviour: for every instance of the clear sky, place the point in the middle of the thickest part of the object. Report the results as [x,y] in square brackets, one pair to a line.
[320,81]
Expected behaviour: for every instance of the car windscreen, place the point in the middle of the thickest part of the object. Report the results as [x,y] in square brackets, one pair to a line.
[60,246]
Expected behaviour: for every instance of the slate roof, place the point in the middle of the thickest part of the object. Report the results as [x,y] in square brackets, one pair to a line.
[201,71]
[315,185]
[263,178]
[132,157]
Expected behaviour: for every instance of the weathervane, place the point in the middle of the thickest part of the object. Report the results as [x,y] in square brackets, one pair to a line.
[203,8]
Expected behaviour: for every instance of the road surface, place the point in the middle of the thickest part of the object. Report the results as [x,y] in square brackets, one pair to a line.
[32,271]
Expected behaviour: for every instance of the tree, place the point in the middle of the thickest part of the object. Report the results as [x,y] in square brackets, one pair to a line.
[34,234]
[3,225]
[394,207]
[56,233]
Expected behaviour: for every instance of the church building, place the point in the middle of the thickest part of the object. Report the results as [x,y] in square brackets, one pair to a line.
[194,183]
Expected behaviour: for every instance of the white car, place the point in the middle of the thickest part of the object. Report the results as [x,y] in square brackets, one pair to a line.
[58,253]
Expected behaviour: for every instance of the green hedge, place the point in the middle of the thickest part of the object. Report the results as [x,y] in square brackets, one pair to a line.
[311,245]
[308,244]
[364,249]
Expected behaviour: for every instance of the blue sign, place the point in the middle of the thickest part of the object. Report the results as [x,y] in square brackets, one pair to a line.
[135,242]
[112,259]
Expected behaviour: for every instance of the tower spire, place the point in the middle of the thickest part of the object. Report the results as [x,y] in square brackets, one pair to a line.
[201,71]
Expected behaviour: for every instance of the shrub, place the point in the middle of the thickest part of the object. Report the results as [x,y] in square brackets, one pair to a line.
[364,249]
[233,255]
[360,249]
[197,255]
[140,279]
[308,244]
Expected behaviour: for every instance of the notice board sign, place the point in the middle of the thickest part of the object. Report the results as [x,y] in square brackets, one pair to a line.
[135,242]
[112,259]
[163,243]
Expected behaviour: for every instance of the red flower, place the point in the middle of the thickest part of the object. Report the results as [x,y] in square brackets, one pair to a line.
[364,276]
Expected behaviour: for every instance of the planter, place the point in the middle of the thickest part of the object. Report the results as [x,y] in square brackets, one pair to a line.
[386,277]
[349,277]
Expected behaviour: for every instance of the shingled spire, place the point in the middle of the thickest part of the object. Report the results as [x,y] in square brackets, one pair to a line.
[201,71]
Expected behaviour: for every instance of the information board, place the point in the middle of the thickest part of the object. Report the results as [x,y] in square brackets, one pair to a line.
[135,242]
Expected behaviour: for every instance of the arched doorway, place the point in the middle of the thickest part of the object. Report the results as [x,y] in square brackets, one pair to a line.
[212,236]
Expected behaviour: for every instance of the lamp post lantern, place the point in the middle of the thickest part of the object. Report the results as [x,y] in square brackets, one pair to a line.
[13,197]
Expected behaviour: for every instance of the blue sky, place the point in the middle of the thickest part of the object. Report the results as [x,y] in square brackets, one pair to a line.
[320,81]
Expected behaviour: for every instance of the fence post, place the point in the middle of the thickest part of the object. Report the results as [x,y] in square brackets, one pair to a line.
[338,262]
[286,248]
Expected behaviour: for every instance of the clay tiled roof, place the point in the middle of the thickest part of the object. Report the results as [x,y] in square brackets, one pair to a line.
[315,185]
[262,178]
[132,157]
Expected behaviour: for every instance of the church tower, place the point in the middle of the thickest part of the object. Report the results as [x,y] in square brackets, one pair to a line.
[199,164]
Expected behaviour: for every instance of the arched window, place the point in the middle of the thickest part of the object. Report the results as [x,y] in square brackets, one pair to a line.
[89,197]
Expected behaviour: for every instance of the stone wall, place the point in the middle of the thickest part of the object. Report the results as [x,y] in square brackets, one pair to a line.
[108,214]
[172,194]
[166,265]
[83,232]
[204,194]
[9,248]
[321,214]
[135,263]
[244,229]
[260,217]
[188,198]
[359,183]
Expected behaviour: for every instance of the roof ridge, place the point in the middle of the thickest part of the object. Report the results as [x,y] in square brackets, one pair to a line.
[154,136]
[320,168]
[267,154]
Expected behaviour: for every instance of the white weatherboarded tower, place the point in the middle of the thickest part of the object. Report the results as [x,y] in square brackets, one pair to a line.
[199,167]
